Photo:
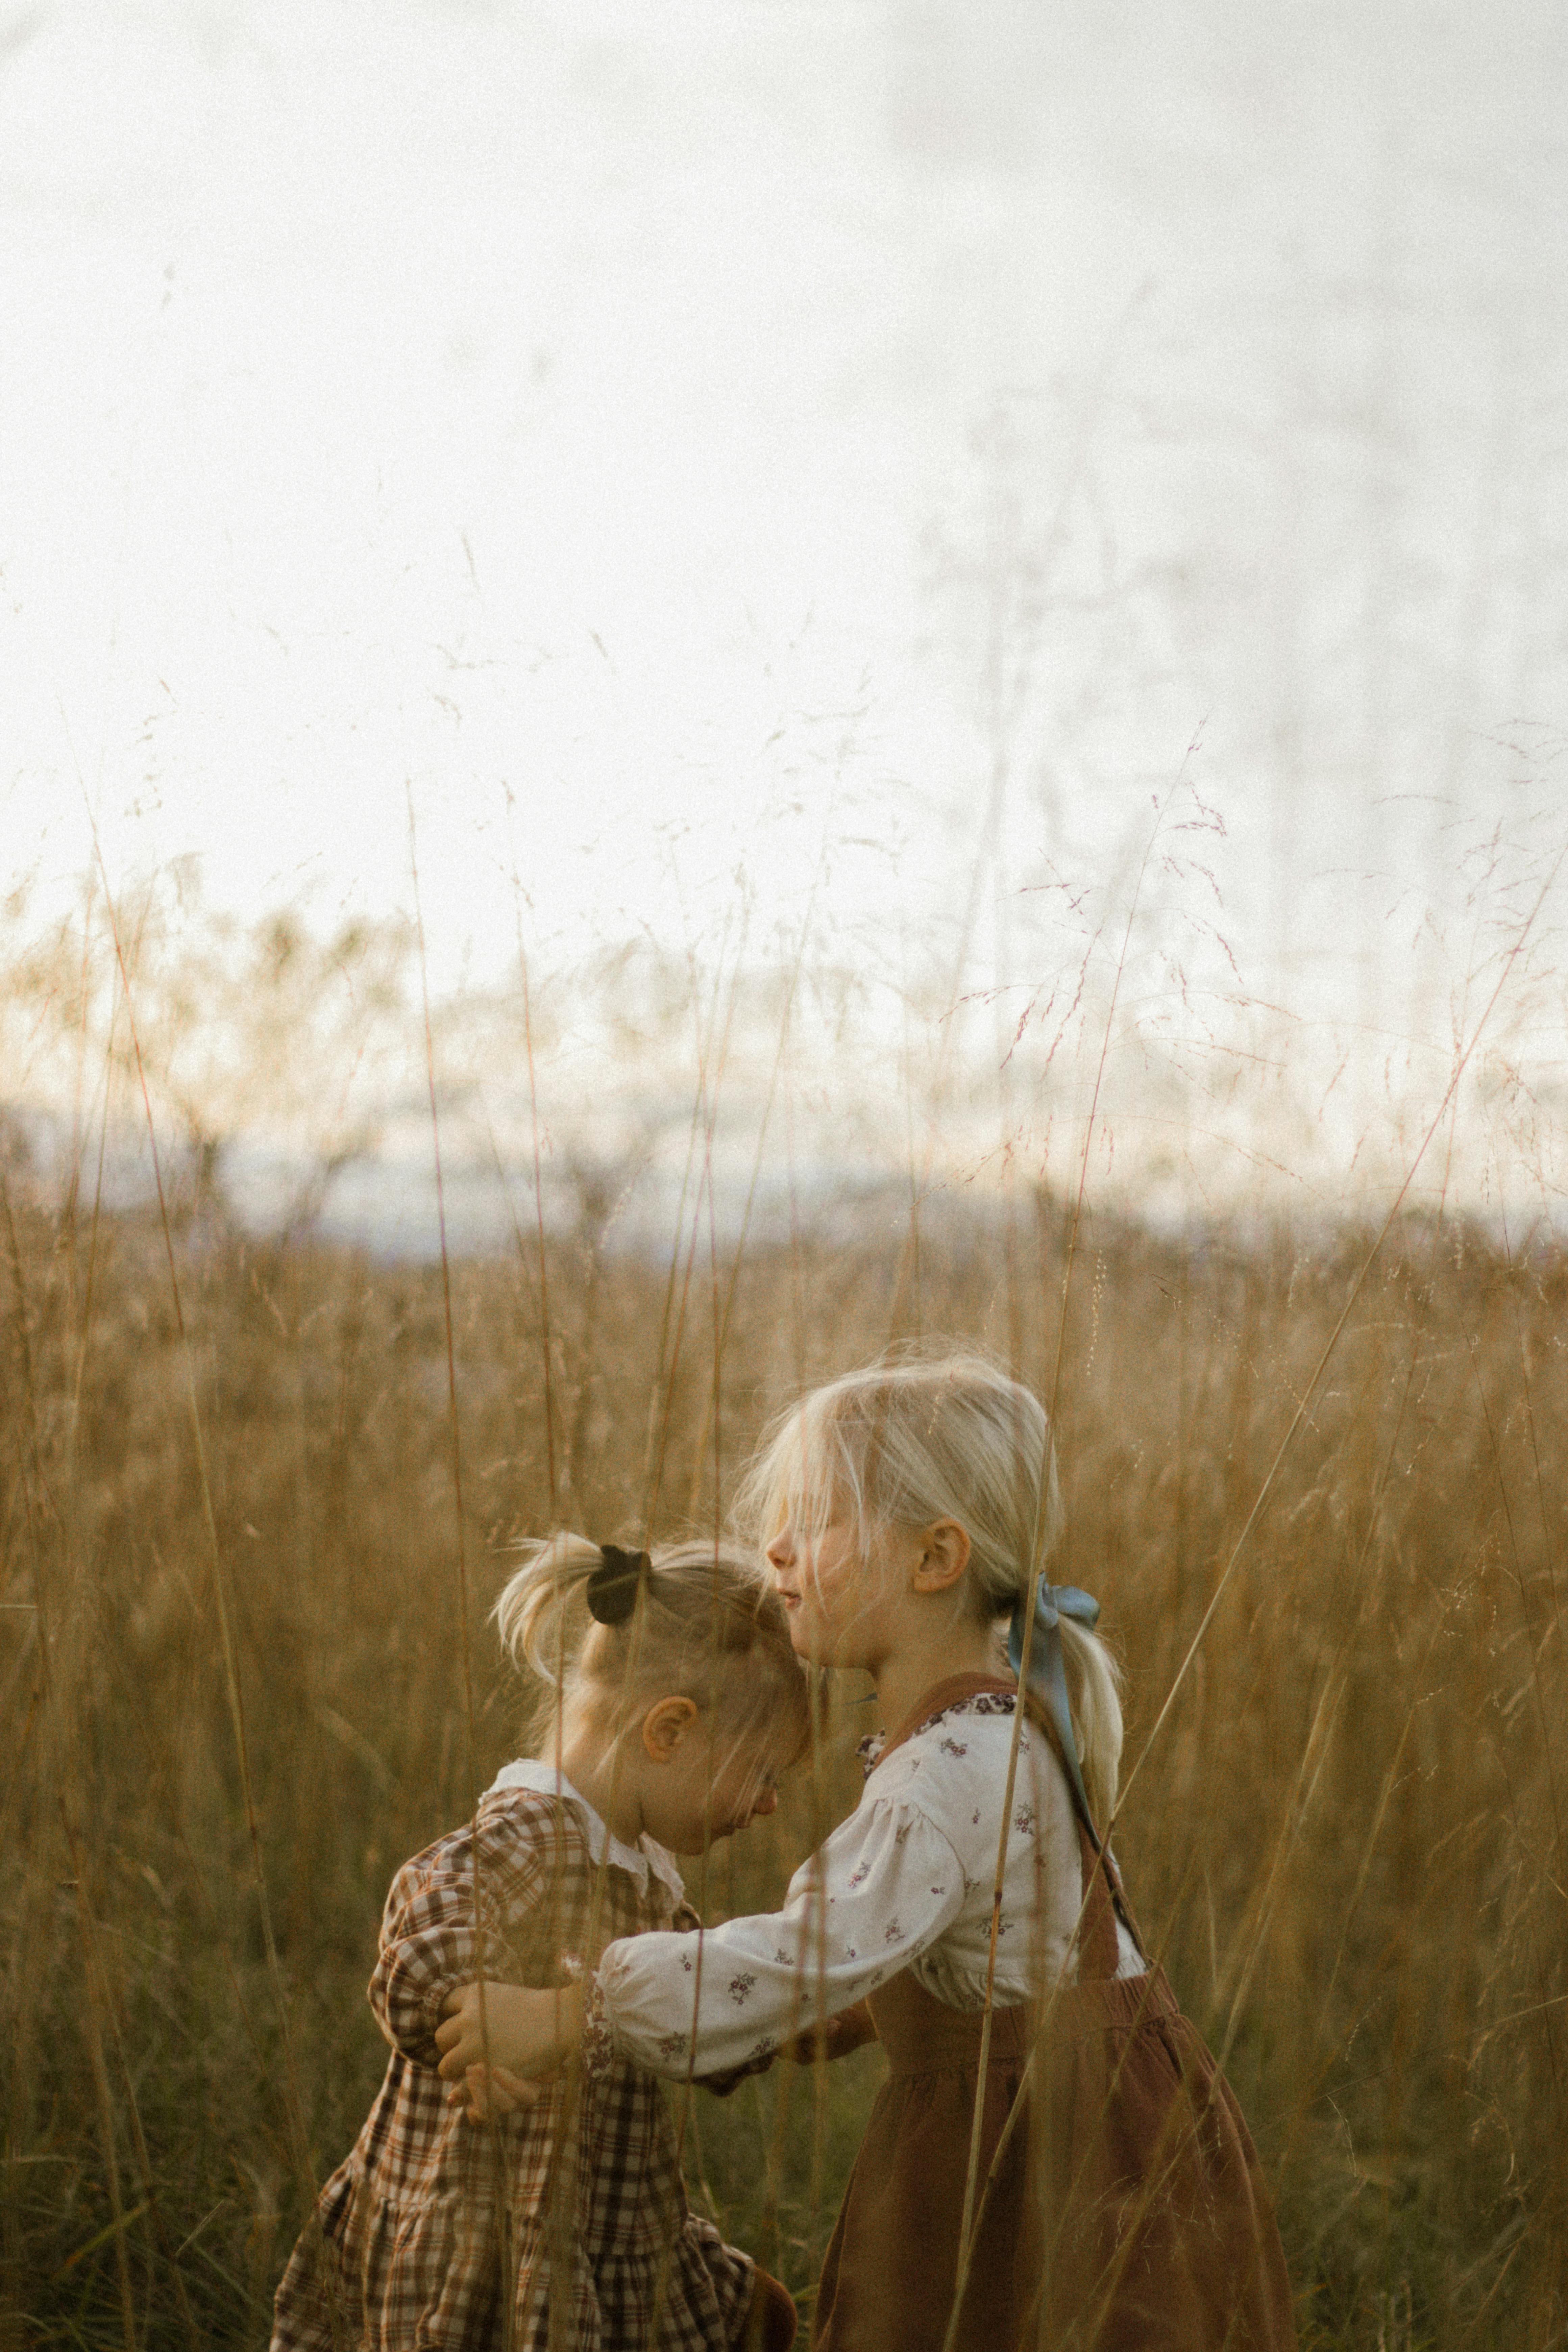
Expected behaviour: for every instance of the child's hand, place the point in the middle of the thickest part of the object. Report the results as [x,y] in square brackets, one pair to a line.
[492,2092]
[848,2031]
[524,2032]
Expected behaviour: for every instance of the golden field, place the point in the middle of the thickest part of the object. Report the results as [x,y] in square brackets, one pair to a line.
[238,1588]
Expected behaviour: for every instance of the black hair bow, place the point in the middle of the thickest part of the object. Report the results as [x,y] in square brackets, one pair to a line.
[614,1585]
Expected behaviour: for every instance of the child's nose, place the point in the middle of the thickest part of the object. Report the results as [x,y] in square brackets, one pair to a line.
[781,1550]
[768,1802]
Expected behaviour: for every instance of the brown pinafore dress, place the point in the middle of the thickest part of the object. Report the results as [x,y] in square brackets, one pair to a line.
[1129,2212]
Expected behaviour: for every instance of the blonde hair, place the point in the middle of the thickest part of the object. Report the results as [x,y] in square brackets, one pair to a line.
[706,1627]
[920,1437]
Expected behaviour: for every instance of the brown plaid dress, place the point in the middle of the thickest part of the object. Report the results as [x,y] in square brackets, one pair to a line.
[434,2225]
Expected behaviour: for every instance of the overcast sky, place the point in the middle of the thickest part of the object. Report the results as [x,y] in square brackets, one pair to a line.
[845,459]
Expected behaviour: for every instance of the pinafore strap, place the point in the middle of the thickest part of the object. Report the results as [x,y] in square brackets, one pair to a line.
[1104,1902]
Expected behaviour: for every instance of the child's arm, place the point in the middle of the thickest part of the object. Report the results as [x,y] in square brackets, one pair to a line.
[881,1890]
[507,2025]
[433,1940]
[834,2039]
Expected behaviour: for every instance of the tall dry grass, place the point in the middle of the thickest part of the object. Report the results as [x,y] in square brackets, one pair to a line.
[1346,1838]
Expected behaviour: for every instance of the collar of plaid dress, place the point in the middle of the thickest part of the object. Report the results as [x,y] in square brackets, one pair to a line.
[1048,1675]
[614,1585]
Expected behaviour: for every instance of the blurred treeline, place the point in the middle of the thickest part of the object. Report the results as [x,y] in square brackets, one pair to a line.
[236,1594]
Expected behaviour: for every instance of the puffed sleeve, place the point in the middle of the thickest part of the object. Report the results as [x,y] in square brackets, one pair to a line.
[432,1942]
[881,1889]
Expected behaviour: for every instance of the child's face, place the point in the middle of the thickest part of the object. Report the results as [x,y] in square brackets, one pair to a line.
[703,1789]
[837,1600]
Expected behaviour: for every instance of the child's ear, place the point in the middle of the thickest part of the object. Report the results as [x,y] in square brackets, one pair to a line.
[944,1556]
[666,1725]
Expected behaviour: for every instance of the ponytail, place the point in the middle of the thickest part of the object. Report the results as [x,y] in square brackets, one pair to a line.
[540,1601]
[1094,1695]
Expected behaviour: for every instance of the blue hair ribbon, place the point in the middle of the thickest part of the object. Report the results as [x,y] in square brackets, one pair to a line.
[1048,1675]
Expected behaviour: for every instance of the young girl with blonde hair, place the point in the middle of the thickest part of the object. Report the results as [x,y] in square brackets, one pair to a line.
[677,1701]
[1043,2088]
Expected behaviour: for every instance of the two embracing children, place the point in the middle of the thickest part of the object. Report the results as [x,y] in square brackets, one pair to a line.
[1053,2161]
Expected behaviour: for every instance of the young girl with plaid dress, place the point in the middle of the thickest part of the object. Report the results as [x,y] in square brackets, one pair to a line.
[1053,2161]
[563,2226]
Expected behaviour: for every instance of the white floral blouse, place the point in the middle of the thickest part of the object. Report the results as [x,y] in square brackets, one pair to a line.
[905,1883]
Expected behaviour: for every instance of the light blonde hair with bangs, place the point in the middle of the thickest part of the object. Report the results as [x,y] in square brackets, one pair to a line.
[916,1438]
